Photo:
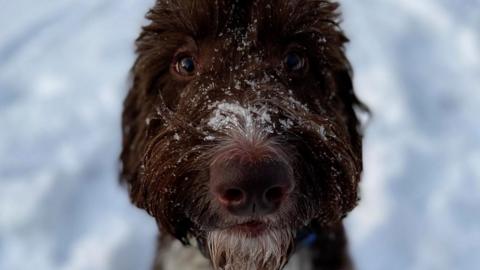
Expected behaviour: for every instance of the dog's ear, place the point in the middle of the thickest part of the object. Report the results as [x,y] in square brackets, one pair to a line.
[352,105]
[129,161]
[133,138]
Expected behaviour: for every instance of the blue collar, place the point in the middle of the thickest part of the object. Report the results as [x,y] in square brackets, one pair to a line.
[305,239]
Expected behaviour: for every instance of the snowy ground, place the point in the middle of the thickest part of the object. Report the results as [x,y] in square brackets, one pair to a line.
[63,66]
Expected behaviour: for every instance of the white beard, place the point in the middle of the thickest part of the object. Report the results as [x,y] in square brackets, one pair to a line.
[231,250]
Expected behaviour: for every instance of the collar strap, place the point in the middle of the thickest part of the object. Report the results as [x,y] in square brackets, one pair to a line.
[305,238]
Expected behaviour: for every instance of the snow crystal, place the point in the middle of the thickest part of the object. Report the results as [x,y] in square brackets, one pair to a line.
[227,116]
[237,85]
[321,131]
[286,123]
[209,138]
[251,83]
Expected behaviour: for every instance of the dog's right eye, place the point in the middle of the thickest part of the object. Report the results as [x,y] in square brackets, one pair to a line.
[294,62]
[186,66]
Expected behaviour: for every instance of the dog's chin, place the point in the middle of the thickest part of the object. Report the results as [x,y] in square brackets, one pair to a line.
[249,246]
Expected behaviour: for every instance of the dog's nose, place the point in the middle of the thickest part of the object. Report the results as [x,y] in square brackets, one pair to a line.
[251,189]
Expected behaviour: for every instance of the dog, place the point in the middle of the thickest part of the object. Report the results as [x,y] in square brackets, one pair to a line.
[241,135]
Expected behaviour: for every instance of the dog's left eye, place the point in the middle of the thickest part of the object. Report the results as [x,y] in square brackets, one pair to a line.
[294,62]
[186,66]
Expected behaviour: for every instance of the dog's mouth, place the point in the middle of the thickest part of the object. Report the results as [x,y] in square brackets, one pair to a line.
[252,228]
[249,245]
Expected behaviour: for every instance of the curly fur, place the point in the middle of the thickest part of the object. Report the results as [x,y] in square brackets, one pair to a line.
[173,127]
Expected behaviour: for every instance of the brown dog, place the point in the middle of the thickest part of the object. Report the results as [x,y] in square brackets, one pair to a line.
[240,136]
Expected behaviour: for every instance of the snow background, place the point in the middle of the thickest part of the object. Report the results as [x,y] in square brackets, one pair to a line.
[63,75]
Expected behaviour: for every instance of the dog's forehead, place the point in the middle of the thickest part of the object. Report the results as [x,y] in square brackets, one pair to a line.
[252,19]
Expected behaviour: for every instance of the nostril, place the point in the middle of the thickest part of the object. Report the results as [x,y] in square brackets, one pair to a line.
[274,194]
[233,195]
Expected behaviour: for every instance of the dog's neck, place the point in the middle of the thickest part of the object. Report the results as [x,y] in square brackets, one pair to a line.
[177,256]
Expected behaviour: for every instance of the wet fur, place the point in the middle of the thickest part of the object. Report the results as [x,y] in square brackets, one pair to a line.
[168,143]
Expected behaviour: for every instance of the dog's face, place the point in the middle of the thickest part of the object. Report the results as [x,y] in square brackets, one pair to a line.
[240,128]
